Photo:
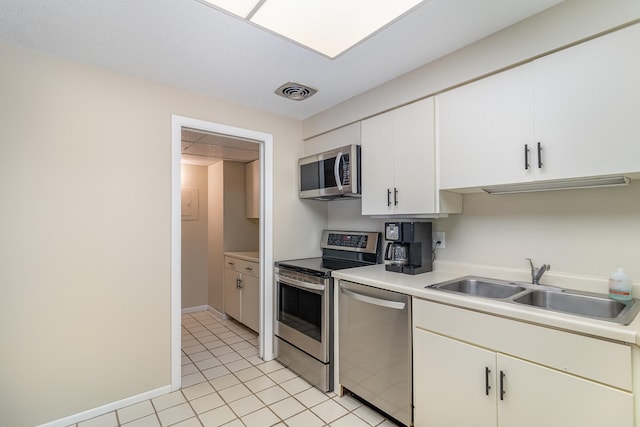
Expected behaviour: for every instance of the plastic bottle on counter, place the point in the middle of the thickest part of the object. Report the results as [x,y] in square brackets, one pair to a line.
[619,285]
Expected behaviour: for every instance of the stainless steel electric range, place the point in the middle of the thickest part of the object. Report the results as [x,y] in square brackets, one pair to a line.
[304,302]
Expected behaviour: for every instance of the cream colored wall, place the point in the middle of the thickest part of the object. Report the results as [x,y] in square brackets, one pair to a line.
[567,23]
[85,178]
[194,241]
[579,232]
[240,234]
[584,234]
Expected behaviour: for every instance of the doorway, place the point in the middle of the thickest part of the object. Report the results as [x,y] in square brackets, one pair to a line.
[265,142]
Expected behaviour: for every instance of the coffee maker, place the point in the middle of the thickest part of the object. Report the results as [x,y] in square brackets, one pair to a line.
[409,247]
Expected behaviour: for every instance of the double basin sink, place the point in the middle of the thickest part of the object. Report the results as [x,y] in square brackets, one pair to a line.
[590,305]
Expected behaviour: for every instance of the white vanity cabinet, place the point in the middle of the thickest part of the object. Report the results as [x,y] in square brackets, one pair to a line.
[477,369]
[570,114]
[241,291]
[398,163]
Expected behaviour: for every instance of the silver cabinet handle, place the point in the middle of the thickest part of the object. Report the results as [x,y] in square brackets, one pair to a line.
[371,300]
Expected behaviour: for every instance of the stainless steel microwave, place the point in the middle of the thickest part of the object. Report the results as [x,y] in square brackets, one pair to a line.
[330,175]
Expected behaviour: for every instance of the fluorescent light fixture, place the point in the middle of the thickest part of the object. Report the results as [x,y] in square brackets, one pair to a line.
[563,184]
[329,27]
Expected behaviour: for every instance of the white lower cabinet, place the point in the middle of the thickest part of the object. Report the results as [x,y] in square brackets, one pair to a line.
[459,383]
[241,291]
[449,382]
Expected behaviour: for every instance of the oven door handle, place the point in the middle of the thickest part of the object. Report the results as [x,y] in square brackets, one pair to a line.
[300,284]
[371,300]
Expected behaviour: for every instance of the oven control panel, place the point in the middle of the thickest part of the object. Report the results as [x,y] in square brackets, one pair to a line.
[350,241]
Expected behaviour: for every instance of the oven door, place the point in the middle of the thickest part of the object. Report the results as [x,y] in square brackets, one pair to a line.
[303,313]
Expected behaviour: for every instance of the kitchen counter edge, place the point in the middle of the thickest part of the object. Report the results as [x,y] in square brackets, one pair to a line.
[247,256]
[414,286]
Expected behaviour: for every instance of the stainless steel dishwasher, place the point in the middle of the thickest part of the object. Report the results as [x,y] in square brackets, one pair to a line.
[375,348]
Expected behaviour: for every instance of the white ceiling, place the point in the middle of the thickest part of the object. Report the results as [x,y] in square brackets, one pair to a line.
[187,44]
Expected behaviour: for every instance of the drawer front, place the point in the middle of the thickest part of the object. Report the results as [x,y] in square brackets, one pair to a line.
[599,360]
[250,268]
[242,266]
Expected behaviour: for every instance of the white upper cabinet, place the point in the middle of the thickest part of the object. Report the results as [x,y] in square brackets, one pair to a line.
[570,114]
[398,163]
[587,107]
[485,128]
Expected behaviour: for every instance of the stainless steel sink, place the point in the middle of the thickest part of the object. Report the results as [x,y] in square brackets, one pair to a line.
[487,288]
[589,305]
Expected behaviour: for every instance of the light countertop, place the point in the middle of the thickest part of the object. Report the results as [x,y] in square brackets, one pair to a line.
[247,256]
[378,277]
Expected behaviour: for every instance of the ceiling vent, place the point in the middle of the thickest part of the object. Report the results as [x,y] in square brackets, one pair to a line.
[295,91]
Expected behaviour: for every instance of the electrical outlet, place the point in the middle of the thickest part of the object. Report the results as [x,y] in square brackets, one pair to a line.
[438,236]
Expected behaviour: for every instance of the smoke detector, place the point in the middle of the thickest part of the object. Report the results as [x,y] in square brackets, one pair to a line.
[295,91]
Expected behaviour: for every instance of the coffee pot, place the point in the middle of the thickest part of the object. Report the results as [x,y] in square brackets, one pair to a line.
[409,247]
[397,253]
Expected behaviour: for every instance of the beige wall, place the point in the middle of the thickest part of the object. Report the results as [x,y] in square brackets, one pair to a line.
[240,234]
[194,241]
[85,178]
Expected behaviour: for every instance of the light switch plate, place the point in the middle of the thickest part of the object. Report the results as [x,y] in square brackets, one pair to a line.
[438,236]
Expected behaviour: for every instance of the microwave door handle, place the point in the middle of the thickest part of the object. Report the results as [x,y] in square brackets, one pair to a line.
[336,171]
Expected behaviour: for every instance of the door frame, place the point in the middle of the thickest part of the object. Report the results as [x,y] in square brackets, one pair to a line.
[265,141]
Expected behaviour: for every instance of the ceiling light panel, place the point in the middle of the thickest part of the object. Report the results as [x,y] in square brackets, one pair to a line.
[241,8]
[329,26]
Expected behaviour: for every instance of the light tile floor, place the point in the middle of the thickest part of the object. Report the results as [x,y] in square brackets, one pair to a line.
[225,383]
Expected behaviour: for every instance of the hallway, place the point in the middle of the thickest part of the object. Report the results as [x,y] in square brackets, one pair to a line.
[224,382]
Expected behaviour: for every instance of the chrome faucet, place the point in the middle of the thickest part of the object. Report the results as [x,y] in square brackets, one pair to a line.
[537,272]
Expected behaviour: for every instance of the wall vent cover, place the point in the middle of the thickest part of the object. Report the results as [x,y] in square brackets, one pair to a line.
[295,91]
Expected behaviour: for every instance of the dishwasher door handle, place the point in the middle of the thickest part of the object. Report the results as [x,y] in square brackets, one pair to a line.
[371,300]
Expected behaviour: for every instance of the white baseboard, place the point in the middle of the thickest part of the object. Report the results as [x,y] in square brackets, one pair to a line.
[204,308]
[109,407]
[195,309]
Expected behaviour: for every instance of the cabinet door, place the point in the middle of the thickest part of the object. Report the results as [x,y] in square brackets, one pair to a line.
[231,293]
[537,396]
[587,107]
[483,128]
[414,155]
[251,302]
[377,154]
[449,385]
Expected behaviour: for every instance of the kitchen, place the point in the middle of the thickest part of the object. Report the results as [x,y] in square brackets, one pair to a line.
[601,224]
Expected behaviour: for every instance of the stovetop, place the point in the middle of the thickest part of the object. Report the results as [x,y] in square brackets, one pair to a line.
[321,267]
[341,249]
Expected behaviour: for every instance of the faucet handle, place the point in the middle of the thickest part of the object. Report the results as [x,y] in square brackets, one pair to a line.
[530,262]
